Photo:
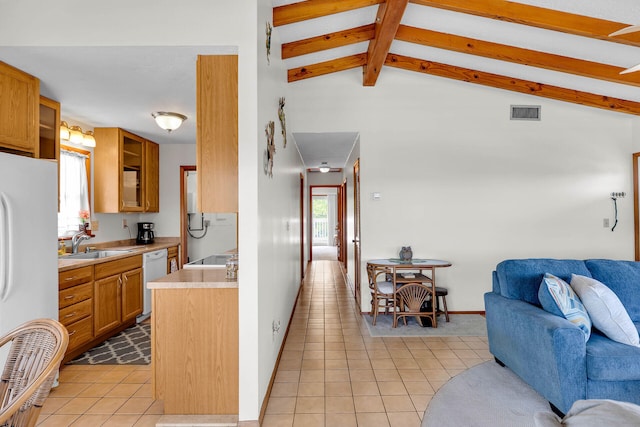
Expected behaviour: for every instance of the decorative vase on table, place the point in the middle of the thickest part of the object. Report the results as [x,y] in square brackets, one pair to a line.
[406,253]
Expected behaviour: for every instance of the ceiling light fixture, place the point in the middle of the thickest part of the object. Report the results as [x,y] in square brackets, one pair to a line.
[324,167]
[64,131]
[88,140]
[75,135]
[167,120]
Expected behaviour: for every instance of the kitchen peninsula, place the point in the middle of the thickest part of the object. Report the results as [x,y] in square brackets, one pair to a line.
[194,349]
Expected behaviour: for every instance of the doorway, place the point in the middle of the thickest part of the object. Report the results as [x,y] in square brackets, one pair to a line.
[324,223]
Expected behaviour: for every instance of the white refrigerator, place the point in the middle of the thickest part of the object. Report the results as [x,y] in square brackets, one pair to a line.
[28,241]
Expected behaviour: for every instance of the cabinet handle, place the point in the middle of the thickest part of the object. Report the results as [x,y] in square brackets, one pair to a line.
[72,333]
[69,297]
[68,279]
[148,204]
[70,315]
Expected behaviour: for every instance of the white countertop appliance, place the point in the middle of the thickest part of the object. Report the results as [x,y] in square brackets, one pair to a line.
[28,241]
[154,266]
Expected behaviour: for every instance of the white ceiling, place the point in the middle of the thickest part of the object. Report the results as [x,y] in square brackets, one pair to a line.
[122,86]
[331,147]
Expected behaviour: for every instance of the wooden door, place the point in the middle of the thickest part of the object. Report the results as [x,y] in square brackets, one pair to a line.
[356,230]
[152,176]
[131,294]
[106,310]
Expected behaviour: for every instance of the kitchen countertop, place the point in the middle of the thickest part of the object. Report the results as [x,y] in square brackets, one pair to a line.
[194,278]
[159,243]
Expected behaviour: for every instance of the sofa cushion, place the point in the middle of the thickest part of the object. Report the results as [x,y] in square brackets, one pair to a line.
[520,278]
[623,278]
[609,360]
[605,310]
[557,297]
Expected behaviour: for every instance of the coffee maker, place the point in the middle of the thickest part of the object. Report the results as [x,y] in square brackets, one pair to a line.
[145,233]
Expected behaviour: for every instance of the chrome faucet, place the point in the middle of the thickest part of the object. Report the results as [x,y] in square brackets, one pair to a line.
[76,239]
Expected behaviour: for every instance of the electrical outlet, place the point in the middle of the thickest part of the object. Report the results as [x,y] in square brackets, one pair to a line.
[605,222]
[618,195]
[124,223]
[95,225]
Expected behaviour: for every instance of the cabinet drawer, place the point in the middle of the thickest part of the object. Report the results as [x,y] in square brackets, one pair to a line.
[75,294]
[172,252]
[118,266]
[80,332]
[74,277]
[75,312]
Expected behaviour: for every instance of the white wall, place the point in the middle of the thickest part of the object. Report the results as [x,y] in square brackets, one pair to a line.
[460,181]
[153,23]
[278,209]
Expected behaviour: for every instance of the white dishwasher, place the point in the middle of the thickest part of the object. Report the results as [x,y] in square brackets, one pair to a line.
[154,266]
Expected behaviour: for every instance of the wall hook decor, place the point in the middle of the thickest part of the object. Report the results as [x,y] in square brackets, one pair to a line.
[268,30]
[283,120]
[271,147]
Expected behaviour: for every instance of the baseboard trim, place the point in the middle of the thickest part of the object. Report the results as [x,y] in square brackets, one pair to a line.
[263,407]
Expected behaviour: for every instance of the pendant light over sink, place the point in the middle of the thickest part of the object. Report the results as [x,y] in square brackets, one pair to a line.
[168,121]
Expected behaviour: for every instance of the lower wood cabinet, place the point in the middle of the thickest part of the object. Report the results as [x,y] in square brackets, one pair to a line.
[75,303]
[118,293]
[172,256]
[195,350]
[98,301]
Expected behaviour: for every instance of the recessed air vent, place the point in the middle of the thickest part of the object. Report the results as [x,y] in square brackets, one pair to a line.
[525,112]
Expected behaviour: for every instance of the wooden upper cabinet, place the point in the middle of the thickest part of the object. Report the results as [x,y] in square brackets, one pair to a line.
[120,172]
[217,133]
[49,135]
[20,111]
[152,176]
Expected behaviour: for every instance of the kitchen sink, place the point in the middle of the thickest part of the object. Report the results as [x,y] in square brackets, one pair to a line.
[96,254]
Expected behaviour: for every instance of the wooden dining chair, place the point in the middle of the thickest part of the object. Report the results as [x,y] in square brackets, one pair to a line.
[382,295]
[410,297]
[36,349]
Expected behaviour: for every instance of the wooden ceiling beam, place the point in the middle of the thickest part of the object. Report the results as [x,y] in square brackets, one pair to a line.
[387,23]
[514,85]
[537,17]
[310,9]
[333,66]
[516,55]
[328,41]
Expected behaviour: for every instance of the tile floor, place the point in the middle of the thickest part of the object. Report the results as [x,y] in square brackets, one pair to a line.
[332,373]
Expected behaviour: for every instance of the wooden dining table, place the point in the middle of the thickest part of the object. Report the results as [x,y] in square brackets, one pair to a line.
[416,270]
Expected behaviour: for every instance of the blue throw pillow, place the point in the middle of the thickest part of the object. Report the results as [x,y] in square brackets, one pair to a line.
[557,297]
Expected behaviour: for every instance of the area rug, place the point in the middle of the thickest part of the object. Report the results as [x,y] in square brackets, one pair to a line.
[468,325]
[130,347]
[486,395]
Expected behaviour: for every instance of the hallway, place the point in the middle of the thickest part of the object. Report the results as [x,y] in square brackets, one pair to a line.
[332,373]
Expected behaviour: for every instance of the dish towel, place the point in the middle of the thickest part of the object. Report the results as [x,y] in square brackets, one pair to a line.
[173,265]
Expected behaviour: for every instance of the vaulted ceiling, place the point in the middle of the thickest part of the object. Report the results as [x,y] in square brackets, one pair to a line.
[549,51]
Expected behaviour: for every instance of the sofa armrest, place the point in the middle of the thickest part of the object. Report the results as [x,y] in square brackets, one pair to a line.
[546,351]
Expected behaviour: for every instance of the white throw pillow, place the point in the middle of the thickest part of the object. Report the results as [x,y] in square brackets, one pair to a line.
[605,310]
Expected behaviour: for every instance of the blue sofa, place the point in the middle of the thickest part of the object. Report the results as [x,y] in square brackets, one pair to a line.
[549,352]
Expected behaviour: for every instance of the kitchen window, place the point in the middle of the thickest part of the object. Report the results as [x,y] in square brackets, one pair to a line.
[75,167]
